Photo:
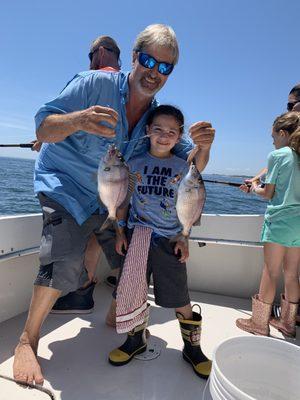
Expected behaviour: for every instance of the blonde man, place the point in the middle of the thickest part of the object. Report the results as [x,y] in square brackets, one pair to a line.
[94,109]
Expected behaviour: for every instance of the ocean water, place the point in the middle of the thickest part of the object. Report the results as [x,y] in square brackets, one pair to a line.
[17,197]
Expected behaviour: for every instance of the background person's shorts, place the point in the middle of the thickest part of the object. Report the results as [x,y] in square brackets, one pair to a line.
[169,275]
[282,231]
[63,246]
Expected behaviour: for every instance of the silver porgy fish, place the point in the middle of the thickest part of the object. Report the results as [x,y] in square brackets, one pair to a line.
[190,201]
[113,184]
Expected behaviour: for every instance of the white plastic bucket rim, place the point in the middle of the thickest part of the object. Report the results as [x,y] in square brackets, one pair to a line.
[228,385]
[215,392]
[222,391]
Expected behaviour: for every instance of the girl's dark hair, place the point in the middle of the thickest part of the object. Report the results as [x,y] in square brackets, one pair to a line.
[290,123]
[166,109]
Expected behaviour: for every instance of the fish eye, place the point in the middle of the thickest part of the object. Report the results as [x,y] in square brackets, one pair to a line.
[107,169]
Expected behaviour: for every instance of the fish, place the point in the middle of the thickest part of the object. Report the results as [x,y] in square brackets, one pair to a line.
[115,184]
[190,202]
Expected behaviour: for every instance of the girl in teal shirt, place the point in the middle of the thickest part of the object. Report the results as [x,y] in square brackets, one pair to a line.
[280,232]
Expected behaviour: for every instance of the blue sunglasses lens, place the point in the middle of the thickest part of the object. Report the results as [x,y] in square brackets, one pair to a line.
[165,68]
[149,62]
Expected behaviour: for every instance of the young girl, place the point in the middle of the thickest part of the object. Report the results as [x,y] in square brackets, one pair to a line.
[152,222]
[280,232]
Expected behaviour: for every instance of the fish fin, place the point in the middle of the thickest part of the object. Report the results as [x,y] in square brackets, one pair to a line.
[131,185]
[198,220]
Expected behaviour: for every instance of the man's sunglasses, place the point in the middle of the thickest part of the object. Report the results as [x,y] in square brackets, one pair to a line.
[290,106]
[149,62]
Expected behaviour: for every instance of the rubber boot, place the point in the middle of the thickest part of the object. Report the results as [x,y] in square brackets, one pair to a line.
[286,324]
[192,353]
[135,343]
[258,324]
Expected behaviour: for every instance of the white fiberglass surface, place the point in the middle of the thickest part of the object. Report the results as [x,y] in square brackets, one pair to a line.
[73,352]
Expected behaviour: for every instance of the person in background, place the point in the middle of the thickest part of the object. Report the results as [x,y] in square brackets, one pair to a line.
[95,109]
[280,232]
[104,55]
[292,105]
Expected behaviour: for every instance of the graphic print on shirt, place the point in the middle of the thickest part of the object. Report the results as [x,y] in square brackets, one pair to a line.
[140,198]
[156,182]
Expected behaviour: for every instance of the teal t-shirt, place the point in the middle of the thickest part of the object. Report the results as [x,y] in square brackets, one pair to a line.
[154,198]
[284,173]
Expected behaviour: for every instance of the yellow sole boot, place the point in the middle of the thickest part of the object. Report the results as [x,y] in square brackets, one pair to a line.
[192,353]
[135,344]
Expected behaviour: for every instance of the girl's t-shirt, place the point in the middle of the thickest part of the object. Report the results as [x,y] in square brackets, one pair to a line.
[284,172]
[153,202]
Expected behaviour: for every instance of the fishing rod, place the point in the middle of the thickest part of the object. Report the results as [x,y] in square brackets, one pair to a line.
[225,183]
[23,145]
[30,145]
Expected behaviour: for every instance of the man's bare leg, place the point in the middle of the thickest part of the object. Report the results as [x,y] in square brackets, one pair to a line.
[26,368]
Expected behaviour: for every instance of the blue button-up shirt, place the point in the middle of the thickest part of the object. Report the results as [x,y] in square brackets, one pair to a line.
[67,171]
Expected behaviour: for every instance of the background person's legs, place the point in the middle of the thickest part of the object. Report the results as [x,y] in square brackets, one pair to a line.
[273,255]
[291,268]
[110,319]
[286,323]
[91,257]
[107,241]
[262,303]
[81,300]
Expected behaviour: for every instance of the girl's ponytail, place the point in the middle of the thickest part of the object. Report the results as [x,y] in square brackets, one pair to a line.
[290,123]
[294,141]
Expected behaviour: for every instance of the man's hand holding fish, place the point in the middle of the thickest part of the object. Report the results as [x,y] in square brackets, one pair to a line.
[202,134]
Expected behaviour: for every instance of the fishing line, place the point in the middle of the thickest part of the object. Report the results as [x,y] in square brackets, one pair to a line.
[30,385]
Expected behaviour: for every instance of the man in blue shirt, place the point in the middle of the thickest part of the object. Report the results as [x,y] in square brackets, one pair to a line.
[104,54]
[94,110]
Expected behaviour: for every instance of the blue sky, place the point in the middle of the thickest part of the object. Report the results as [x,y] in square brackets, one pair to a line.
[238,61]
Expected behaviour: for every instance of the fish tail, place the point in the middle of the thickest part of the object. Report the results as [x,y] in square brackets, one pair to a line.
[110,221]
[179,238]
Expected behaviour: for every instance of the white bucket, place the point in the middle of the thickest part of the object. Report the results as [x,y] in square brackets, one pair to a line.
[255,368]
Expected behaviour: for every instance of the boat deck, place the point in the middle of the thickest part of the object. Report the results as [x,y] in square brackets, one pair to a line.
[74,348]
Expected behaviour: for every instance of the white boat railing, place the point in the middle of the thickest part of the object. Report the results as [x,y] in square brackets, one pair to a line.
[20,253]
[225,258]
[20,234]
[202,241]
